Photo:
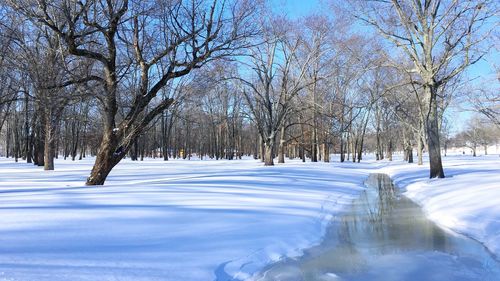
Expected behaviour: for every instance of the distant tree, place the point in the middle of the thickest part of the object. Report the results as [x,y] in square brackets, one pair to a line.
[277,78]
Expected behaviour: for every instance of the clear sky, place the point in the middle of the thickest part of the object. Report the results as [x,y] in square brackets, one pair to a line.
[297,8]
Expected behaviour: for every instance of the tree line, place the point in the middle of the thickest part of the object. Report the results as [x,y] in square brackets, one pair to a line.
[225,79]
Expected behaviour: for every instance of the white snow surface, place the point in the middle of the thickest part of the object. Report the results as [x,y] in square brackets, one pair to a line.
[179,220]
[210,220]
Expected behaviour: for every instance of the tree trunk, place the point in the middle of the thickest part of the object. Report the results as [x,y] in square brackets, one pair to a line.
[268,153]
[342,155]
[27,145]
[262,150]
[326,153]
[410,154]
[389,150]
[48,150]
[281,150]
[16,137]
[314,140]
[135,151]
[256,148]
[76,138]
[38,145]
[107,157]
[420,149]
[432,125]
[379,154]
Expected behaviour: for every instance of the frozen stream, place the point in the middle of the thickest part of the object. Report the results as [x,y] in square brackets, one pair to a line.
[386,237]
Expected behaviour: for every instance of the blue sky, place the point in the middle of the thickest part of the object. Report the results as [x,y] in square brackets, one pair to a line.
[483,69]
[297,8]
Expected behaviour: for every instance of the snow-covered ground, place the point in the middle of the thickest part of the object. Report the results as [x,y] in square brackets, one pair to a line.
[209,220]
[180,220]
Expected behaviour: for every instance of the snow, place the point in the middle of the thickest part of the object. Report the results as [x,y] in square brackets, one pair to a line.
[467,201]
[210,220]
[180,220]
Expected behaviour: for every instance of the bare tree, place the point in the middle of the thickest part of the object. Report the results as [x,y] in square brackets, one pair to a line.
[152,42]
[441,38]
[278,77]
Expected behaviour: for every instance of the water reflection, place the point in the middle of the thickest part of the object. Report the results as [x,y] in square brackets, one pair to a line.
[385,236]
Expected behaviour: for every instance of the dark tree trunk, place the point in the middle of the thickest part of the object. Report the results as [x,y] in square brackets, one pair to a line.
[360,151]
[432,125]
[410,154]
[342,156]
[107,157]
[256,148]
[76,139]
[38,146]
[135,151]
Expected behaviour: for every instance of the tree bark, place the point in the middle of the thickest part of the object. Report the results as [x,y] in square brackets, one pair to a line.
[389,150]
[107,157]
[268,152]
[432,125]
[281,152]
[420,149]
[27,136]
[314,141]
[48,150]
[326,152]
[410,154]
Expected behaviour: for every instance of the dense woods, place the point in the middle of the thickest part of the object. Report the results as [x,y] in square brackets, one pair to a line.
[225,79]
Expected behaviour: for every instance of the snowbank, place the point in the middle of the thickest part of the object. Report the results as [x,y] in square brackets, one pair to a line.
[180,220]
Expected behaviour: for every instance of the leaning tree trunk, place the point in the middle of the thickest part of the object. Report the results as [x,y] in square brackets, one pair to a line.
[108,155]
[116,143]
[432,126]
